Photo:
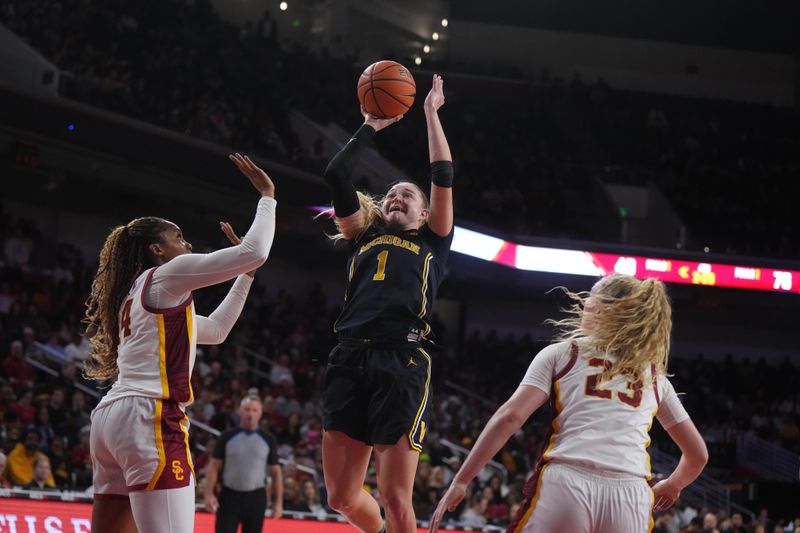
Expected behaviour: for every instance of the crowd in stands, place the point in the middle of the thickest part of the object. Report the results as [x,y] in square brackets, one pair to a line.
[530,172]
[181,66]
[44,416]
[169,63]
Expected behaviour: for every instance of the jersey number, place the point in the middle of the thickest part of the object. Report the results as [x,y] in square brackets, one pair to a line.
[381,273]
[125,320]
[632,398]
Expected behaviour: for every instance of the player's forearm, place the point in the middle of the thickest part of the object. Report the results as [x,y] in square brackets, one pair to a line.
[215,328]
[689,467]
[188,272]
[440,217]
[277,483]
[257,242]
[694,453]
[438,148]
[211,481]
[338,172]
[441,209]
[501,426]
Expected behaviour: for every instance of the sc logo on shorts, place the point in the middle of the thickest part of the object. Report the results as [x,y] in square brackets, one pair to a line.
[177,469]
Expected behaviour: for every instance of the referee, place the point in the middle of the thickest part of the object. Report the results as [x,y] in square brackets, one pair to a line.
[243,455]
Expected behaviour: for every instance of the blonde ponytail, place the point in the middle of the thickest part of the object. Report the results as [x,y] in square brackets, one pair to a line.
[625,317]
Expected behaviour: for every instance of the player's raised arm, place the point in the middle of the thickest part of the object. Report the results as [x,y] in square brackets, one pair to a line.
[440,219]
[350,217]
[214,328]
[188,272]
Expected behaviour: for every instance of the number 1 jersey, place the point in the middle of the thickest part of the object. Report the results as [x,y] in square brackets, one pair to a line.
[392,280]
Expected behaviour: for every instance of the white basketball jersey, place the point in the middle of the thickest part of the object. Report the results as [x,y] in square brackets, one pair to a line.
[599,425]
[156,349]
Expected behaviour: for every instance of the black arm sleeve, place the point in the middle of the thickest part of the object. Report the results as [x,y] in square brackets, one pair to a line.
[337,174]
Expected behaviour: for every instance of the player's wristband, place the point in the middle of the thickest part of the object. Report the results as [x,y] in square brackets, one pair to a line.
[442,173]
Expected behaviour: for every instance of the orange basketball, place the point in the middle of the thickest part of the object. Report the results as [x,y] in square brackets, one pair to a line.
[386,89]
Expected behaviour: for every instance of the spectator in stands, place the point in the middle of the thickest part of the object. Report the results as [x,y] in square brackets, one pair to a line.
[42,476]
[280,373]
[473,516]
[57,409]
[15,367]
[59,462]
[710,523]
[80,457]
[291,493]
[223,419]
[737,524]
[67,378]
[763,518]
[78,348]
[290,434]
[28,340]
[43,426]
[18,247]
[286,403]
[6,298]
[77,417]
[20,467]
[4,483]
[309,499]
[24,409]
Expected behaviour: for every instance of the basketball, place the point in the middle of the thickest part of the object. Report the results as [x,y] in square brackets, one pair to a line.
[386,89]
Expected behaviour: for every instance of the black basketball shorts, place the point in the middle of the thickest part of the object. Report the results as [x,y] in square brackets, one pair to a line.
[377,394]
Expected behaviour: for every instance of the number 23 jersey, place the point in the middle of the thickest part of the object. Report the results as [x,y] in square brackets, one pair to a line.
[392,279]
[602,425]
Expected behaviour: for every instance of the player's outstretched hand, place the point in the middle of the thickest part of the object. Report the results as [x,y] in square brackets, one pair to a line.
[435,98]
[227,229]
[449,502]
[260,180]
[665,494]
[379,123]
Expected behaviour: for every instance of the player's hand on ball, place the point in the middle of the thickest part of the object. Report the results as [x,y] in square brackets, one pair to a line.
[379,123]
[665,494]
[227,229]
[260,180]
[435,98]
[449,502]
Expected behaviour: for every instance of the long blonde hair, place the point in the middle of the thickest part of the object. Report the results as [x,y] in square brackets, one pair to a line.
[622,316]
[372,207]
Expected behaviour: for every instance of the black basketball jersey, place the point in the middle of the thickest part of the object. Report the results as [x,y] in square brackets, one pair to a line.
[392,279]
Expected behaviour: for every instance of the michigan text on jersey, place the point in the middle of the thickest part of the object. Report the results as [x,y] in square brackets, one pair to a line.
[391,240]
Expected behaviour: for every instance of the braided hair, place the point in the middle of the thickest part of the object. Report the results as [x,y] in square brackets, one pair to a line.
[123,258]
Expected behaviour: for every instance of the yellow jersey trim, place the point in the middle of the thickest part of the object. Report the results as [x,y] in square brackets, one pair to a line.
[417,418]
[162,461]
